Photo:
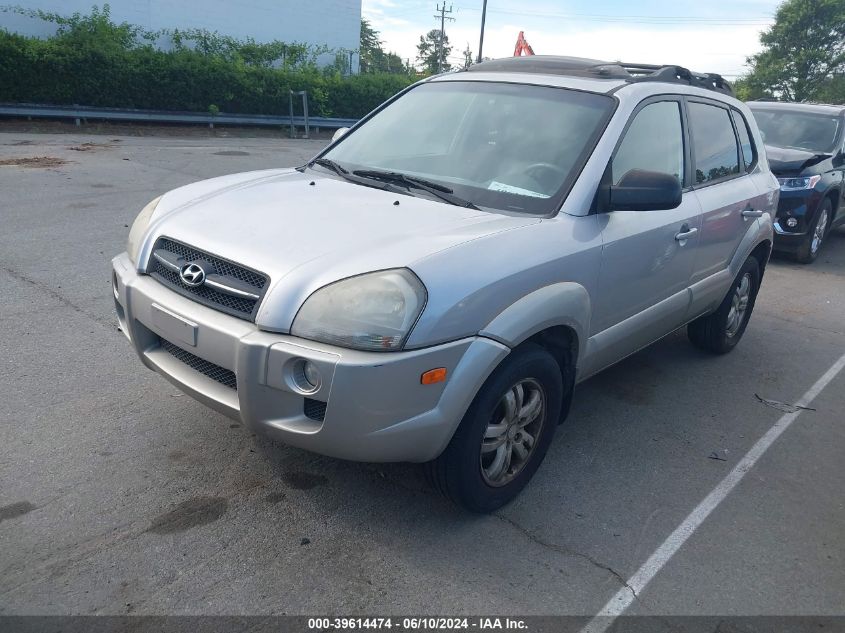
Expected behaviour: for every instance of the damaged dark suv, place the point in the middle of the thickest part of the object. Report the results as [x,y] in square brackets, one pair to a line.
[805,144]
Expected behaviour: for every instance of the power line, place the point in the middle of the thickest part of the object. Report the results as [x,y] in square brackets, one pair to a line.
[756,19]
[616,16]
[643,19]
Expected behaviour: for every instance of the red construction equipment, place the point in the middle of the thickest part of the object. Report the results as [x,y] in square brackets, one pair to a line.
[522,46]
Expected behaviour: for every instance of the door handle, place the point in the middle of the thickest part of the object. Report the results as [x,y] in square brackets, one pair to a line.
[685,234]
[751,213]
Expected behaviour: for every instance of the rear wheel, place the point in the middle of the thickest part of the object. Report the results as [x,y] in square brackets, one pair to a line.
[505,434]
[721,331]
[815,235]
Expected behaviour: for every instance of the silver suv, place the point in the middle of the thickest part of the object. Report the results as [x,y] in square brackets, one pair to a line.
[431,287]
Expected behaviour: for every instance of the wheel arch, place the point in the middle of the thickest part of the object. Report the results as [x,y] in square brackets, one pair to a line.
[835,197]
[761,253]
[562,342]
[556,317]
[757,241]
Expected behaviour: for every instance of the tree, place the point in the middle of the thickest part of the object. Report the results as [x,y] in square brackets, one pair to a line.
[370,52]
[803,56]
[373,58]
[394,64]
[429,52]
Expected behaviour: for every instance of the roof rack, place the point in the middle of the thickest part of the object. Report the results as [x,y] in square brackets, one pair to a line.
[581,67]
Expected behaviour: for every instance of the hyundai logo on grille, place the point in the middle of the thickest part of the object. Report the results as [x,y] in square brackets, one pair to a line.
[192,275]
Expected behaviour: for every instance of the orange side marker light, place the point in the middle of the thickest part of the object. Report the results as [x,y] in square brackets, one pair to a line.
[433,376]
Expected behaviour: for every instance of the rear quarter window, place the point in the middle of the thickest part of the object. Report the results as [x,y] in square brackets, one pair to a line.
[746,145]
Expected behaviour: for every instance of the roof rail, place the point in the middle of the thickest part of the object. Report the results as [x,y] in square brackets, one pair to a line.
[676,74]
[629,72]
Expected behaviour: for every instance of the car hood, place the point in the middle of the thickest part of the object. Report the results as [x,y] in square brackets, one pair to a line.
[306,230]
[784,160]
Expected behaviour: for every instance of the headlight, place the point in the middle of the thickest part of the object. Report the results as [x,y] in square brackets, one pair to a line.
[372,312]
[797,184]
[139,227]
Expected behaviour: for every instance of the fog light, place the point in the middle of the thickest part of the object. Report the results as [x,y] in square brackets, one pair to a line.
[312,374]
[305,376]
[791,223]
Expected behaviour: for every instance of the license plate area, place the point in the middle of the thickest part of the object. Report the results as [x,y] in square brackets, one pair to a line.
[174,327]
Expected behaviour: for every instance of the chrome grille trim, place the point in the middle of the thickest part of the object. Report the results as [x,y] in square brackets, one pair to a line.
[228,287]
[166,262]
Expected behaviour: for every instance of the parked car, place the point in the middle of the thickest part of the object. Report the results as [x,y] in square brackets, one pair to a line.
[432,285]
[805,144]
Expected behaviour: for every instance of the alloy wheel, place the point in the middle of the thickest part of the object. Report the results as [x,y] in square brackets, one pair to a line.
[512,434]
[739,305]
[818,233]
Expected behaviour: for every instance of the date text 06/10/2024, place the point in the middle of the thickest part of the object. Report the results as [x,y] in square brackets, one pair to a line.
[417,624]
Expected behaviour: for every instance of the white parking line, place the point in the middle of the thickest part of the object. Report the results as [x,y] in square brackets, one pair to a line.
[617,605]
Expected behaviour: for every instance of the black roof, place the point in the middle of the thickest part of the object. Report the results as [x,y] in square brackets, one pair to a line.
[597,69]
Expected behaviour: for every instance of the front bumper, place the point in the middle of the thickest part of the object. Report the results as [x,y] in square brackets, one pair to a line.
[370,406]
[787,240]
[799,205]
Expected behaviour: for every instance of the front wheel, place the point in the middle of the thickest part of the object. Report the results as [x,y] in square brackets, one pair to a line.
[505,434]
[721,331]
[809,250]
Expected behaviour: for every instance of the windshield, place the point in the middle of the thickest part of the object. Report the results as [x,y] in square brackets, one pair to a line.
[798,130]
[513,147]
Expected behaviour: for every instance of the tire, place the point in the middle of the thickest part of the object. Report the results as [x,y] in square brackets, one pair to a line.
[475,480]
[720,332]
[816,234]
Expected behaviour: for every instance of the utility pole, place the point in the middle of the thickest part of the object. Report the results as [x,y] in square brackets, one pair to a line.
[483,19]
[443,11]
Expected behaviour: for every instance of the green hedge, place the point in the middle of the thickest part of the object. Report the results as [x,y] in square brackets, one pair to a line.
[93,62]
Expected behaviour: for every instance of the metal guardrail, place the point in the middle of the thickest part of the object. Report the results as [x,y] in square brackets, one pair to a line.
[81,113]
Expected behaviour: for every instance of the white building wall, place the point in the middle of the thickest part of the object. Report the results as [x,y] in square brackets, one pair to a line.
[334,23]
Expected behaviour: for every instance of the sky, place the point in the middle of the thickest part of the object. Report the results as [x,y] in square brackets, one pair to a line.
[715,36]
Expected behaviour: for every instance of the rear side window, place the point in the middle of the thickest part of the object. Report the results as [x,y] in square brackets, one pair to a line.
[745,144]
[653,142]
[714,143]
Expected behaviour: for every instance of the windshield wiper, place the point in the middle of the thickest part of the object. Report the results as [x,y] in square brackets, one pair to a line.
[396,176]
[412,182]
[341,171]
[328,163]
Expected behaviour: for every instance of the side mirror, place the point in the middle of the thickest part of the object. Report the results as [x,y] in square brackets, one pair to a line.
[339,133]
[641,190]
[839,158]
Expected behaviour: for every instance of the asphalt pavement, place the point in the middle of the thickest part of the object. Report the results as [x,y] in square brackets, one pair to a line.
[119,495]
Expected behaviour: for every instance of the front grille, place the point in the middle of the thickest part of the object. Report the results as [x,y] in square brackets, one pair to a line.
[215,372]
[315,409]
[244,308]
